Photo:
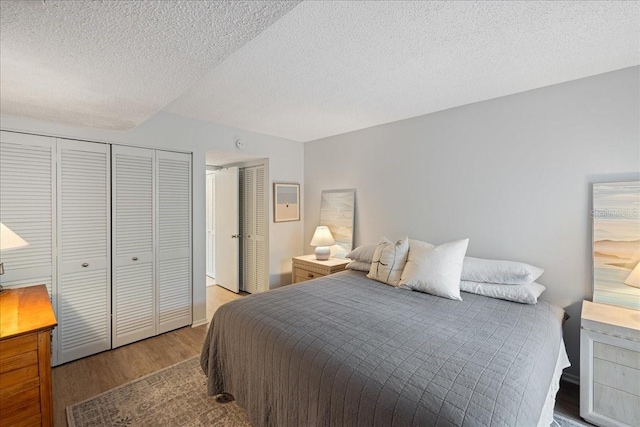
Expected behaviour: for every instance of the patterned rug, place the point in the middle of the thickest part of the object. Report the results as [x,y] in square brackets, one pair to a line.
[174,396]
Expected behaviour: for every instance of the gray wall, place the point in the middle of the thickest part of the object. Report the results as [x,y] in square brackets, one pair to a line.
[513,174]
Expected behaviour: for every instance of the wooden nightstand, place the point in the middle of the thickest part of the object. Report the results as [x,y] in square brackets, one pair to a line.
[610,365]
[307,267]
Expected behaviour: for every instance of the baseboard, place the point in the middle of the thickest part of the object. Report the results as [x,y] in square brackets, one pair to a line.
[200,322]
[570,378]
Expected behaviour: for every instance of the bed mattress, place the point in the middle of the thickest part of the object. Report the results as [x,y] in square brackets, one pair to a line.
[344,350]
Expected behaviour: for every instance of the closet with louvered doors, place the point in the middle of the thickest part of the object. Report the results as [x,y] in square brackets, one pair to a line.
[254,225]
[84,249]
[109,233]
[151,291]
[173,257]
[133,291]
[28,207]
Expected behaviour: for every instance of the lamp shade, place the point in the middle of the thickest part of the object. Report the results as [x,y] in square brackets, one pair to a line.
[322,237]
[9,239]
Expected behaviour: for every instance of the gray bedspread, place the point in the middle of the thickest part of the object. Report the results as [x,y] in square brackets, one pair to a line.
[344,350]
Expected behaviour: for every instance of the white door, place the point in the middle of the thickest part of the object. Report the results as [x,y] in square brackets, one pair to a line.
[84,249]
[173,255]
[133,226]
[227,225]
[211,230]
[28,207]
[254,229]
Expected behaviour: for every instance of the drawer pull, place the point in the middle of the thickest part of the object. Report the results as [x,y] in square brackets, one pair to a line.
[135,258]
[85,264]
[310,275]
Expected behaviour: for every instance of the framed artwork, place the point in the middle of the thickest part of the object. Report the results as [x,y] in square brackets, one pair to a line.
[616,244]
[337,211]
[286,202]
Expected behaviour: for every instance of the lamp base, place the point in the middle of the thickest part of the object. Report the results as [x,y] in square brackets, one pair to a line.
[323,253]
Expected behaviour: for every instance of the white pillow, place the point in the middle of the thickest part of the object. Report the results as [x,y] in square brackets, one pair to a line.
[413,243]
[526,294]
[494,271]
[435,270]
[359,266]
[389,260]
[362,253]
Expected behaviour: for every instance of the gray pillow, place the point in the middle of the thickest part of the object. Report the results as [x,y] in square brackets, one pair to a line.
[363,253]
[359,266]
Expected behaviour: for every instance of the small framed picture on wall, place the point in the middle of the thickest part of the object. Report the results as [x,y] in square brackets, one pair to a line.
[286,202]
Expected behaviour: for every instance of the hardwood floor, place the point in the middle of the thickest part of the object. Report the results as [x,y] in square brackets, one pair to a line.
[85,378]
[81,379]
[568,401]
[216,296]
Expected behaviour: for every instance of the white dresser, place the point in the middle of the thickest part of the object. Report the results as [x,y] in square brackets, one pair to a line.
[610,365]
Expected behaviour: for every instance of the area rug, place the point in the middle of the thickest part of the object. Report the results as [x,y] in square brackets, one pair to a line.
[174,396]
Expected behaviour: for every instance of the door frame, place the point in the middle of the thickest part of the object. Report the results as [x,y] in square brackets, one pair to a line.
[210,210]
[267,218]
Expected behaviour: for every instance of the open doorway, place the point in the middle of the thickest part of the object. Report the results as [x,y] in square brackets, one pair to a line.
[237,204]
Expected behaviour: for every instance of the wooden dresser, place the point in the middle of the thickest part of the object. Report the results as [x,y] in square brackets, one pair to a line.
[610,365]
[26,321]
[307,267]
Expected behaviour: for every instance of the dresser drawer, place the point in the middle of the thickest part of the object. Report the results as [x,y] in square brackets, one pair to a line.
[19,345]
[21,408]
[18,361]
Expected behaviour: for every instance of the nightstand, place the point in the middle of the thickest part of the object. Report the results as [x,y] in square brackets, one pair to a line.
[610,365]
[307,267]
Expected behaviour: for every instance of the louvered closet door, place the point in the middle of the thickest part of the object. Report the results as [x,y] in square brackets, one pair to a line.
[27,206]
[249,229]
[174,240]
[133,291]
[261,229]
[254,227]
[84,249]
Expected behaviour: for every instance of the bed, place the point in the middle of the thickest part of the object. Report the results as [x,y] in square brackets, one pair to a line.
[344,350]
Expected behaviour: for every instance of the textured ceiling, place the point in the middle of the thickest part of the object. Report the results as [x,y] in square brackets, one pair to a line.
[299,71]
[114,64]
[327,68]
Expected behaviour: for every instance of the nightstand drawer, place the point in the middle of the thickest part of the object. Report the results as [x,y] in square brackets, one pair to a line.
[307,267]
[302,275]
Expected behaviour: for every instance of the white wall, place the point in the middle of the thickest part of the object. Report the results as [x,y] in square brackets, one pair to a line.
[173,132]
[513,174]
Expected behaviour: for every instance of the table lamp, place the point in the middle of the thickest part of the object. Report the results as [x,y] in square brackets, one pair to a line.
[9,240]
[322,239]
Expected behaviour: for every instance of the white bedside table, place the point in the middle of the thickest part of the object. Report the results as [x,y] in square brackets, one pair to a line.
[307,267]
[610,365]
